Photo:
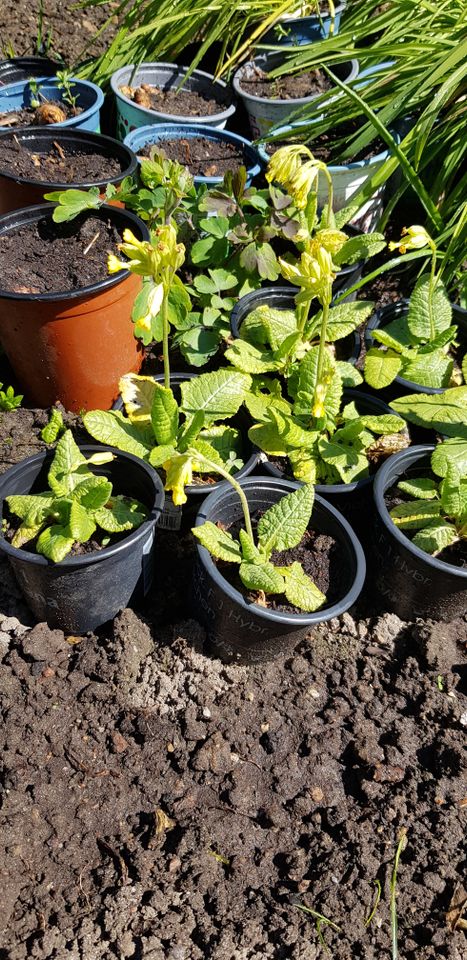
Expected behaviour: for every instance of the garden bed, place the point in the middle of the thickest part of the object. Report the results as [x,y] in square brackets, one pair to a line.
[161,804]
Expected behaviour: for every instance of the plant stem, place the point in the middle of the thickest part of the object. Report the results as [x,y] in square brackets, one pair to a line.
[165,333]
[233,483]
[431,292]
[322,345]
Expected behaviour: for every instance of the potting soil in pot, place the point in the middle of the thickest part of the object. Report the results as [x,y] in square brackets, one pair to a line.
[46,257]
[296,87]
[184,103]
[60,164]
[203,157]
[46,113]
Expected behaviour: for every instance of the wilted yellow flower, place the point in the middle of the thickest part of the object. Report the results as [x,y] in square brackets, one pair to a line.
[114,265]
[318,410]
[300,185]
[179,473]
[148,259]
[417,239]
[285,162]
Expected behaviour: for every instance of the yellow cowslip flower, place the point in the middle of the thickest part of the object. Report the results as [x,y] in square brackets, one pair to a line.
[114,265]
[312,273]
[417,239]
[331,240]
[301,183]
[149,258]
[179,473]
[318,410]
[285,162]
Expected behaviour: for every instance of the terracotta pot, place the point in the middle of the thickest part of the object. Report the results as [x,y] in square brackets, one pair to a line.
[72,346]
[17,191]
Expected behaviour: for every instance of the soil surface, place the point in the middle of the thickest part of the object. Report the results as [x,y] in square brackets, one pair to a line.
[68,31]
[309,84]
[204,158]
[46,257]
[61,164]
[158,805]
[185,103]
[48,113]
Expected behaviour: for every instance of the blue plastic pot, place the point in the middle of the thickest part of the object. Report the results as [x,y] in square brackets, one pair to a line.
[131,115]
[90,98]
[159,132]
[294,31]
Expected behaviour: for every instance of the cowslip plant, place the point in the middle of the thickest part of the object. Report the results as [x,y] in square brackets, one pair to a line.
[8,399]
[437,510]
[417,346]
[444,412]
[75,505]
[282,527]
[175,436]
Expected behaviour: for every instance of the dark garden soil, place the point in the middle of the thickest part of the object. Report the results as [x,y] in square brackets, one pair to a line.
[60,164]
[158,805]
[203,157]
[46,257]
[47,113]
[185,103]
[71,29]
[286,88]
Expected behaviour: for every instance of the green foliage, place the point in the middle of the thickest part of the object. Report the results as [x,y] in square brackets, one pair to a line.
[437,509]
[8,399]
[445,412]
[281,528]
[54,427]
[76,504]
[174,435]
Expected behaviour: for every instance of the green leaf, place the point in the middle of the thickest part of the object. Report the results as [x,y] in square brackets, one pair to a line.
[54,427]
[308,371]
[268,325]
[446,412]
[33,506]
[283,525]
[350,464]
[266,436]
[300,589]
[464,368]
[80,524]
[435,537]
[422,488]
[416,514]
[198,345]
[55,542]
[218,395]
[452,493]
[381,367]
[450,451]
[220,543]
[265,393]
[120,514]
[250,552]
[422,314]
[249,359]
[350,376]
[209,250]
[190,430]
[73,202]
[359,248]
[178,304]
[115,430]
[387,340]
[227,442]
[161,454]
[345,318]
[429,370]
[164,415]
[261,577]
[93,493]
[291,431]
[25,533]
[68,460]
[383,423]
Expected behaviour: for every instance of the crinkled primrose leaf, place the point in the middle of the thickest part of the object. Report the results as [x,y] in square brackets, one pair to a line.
[439,511]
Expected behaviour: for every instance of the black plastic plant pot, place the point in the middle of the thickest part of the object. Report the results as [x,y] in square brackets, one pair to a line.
[409,581]
[81,593]
[243,632]
[182,518]
[393,311]
[23,68]
[283,298]
[17,191]
[352,499]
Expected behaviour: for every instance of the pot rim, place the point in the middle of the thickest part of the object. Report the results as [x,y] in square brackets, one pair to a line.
[160,132]
[352,63]
[380,486]
[87,136]
[98,555]
[196,74]
[51,80]
[296,619]
[37,212]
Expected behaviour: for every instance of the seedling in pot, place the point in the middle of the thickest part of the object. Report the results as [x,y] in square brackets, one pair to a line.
[76,504]
[177,436]
[437,509]
[274,340]
[282,527]
[418,346]
[8,399]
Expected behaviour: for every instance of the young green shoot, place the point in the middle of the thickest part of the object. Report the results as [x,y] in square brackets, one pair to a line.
[8,399]
[375,906]
[320,921]
[393,894]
